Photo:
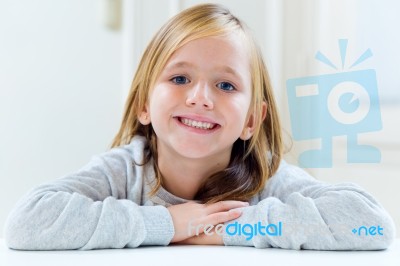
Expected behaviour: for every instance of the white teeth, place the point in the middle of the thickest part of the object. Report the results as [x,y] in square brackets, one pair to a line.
[197,124]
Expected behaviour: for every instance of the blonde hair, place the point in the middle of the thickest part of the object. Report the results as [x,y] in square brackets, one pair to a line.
[252,161]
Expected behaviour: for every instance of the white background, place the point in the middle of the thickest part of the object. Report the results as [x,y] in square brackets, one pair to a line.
[65,73]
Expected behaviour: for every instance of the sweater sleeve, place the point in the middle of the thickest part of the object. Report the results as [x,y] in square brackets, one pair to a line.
[88,210]
[296,211]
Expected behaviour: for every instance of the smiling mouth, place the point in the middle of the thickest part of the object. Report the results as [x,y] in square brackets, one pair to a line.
[197,124]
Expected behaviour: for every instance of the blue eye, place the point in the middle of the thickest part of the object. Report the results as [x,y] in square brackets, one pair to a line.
[180,80]
[226,86]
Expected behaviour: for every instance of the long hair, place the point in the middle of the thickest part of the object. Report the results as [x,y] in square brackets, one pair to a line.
[252,161]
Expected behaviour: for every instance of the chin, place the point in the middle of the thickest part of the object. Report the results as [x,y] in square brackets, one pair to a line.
[200,151]
[194,154]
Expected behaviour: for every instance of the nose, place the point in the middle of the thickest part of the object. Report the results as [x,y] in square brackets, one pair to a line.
[199,96]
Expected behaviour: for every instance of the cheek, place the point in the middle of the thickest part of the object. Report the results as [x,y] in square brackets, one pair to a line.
[158,97]
[162,101]
[164,94]
[239,107]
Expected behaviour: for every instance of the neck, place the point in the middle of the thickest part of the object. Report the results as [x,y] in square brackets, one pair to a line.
[183,176]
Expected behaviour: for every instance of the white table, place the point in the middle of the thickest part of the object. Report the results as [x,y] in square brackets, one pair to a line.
[199,255]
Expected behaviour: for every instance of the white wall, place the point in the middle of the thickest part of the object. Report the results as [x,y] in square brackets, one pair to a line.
[60,91]
[64,77]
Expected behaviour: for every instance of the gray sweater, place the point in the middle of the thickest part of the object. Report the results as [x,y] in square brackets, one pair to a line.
[105,205]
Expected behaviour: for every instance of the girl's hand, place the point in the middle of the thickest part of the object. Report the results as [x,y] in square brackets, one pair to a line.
[213,238]
[190,218]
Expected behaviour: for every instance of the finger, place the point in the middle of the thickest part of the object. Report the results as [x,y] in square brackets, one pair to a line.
[187,241]
[222,217]
[225,205]
[212,221]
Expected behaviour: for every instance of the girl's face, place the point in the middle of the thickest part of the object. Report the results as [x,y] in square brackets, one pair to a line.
[199,104]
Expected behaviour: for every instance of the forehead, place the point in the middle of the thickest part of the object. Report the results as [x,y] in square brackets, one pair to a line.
[227,52]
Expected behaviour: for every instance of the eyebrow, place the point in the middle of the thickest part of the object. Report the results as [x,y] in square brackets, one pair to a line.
[183,64]
[180,64]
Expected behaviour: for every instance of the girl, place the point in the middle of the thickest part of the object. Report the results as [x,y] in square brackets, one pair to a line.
[198,160]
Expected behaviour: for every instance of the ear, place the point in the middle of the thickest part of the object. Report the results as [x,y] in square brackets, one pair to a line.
[144,116]
[250,126]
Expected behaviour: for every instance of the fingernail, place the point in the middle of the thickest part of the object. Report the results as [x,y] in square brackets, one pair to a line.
[246,203]
[236,211]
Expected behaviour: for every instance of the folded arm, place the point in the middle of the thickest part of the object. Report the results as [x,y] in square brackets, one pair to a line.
[314,215]
[88,210]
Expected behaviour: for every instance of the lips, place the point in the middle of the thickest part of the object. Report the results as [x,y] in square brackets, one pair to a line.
[198,122]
